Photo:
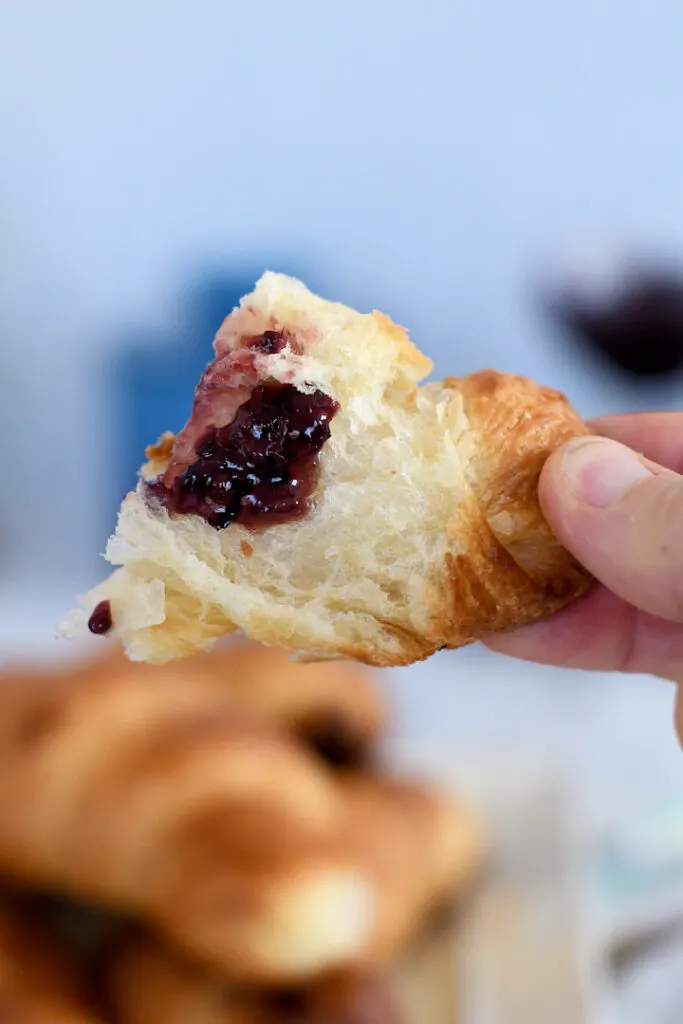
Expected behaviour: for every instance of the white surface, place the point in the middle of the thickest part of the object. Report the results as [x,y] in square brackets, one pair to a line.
[611,738]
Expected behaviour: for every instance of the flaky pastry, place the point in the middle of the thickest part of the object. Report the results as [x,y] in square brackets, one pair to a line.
[321,499]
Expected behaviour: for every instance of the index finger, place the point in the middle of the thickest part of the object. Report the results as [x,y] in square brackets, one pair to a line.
[656,435]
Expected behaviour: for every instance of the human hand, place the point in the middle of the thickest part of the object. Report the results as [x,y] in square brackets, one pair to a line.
[621,515]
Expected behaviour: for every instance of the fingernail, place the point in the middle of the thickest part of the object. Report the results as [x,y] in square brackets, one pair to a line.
[599,471]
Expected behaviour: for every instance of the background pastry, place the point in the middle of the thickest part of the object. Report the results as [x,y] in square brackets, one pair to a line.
[150,984]
[156,794]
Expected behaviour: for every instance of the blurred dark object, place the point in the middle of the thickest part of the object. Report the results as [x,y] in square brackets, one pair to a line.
[636,324]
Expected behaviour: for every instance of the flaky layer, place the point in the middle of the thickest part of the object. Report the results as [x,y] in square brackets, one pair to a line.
[425,530]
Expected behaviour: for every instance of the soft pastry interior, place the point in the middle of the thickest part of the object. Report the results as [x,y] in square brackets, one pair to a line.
[322,499]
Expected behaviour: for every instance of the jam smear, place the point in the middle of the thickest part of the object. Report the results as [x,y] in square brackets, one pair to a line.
[101,621]
[262,468]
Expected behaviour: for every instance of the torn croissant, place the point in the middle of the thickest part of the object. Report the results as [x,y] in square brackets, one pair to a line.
[320,499]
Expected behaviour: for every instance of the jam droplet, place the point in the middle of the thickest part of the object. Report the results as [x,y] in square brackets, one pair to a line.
[270,342]
[100,622]
[262,468]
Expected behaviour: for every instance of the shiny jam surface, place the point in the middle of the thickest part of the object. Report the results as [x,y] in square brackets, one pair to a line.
[262,468]
[100,622]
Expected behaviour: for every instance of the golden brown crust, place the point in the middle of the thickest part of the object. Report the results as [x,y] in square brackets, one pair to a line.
[514,570]
[158,455]
[517,425]
[504,567]
[151,984]
[408,353]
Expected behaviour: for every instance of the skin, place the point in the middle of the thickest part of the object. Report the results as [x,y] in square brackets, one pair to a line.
[617,505]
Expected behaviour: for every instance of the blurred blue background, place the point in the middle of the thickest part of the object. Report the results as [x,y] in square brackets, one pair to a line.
[427,159]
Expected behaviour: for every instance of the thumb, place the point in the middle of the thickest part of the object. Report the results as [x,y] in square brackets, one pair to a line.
[622,517]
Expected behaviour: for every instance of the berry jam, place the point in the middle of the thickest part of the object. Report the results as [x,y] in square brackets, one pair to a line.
[100,622]
[270,342]
[262,468]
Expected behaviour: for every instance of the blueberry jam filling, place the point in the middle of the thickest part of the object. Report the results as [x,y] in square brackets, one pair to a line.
[262,468]
[270,342]
[100,622]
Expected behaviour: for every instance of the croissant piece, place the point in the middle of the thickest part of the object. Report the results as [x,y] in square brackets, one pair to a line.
[38,982]
[320,500]
[150,984]
[163,799]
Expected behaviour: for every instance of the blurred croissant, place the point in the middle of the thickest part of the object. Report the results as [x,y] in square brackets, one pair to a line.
[166,800]
[336,709]
[149,984]
[38,983]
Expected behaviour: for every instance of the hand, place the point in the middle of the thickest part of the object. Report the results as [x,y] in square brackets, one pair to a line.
[621,515]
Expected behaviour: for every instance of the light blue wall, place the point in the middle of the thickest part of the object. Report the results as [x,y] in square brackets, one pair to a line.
[427,158]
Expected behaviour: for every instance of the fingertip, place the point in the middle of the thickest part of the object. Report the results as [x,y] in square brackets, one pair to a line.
[554,495]
[526,643]
[591,632]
